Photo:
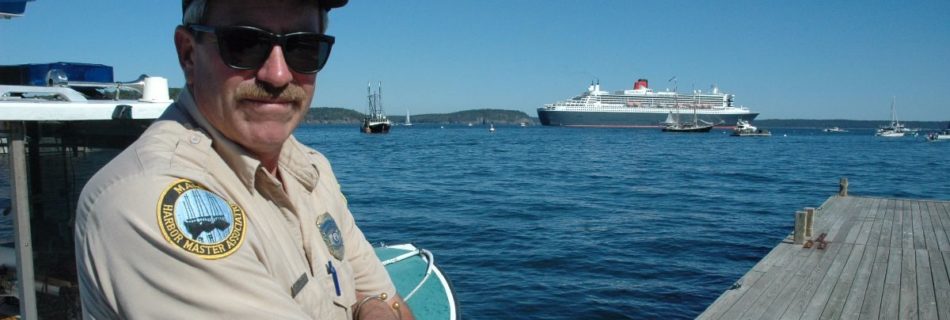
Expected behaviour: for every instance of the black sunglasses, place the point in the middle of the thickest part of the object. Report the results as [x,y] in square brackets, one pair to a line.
[246,48]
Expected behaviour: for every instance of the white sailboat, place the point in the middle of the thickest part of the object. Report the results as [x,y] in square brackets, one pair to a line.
[895,129]
[408,122]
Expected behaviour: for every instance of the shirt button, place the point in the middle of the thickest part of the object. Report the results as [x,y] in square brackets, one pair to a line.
[195,139]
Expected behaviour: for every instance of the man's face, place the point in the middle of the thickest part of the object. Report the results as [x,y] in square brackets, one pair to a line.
[257,108]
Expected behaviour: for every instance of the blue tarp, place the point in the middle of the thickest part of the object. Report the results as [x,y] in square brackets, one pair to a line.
[13,7]
[35,74]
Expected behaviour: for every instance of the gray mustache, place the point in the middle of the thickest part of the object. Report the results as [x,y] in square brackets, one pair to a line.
[291,92]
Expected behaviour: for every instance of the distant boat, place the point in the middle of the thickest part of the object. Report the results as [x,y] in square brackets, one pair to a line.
[895,129]
[674,125]
[491,128]
[746,129]
[524,124]
[408,123]
[375,121]
[835,130]
[940,135]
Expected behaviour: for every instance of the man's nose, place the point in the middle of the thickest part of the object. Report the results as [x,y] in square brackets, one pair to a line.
[275,70]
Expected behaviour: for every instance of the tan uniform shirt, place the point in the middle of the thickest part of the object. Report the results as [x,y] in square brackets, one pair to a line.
[186,224]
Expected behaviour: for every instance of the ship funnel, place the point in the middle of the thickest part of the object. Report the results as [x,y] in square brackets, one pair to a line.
[640,84]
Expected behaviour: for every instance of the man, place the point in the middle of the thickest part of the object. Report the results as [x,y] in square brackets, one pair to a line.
[217,212]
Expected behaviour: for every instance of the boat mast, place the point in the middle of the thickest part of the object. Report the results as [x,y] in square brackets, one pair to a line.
[894,121]
[379,100]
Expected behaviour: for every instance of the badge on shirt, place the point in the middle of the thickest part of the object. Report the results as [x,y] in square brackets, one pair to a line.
[331,235]
[199,221]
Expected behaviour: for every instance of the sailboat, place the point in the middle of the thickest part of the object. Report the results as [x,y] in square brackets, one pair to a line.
[674,125]
[408,122]
[895,129]
[375,121]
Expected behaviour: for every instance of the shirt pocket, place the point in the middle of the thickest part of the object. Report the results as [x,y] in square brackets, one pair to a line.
[320,300]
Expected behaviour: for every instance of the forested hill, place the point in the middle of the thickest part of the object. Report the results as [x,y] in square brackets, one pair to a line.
[333,115]
[479,116]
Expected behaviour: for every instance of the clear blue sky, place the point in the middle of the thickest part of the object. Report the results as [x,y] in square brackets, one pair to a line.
[784,59]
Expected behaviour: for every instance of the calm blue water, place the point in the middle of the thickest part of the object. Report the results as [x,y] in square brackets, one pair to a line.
[563,223]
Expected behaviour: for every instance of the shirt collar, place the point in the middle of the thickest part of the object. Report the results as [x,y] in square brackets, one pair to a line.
[293,160]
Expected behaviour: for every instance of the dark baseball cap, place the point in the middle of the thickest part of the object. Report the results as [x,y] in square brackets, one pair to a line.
[325,4]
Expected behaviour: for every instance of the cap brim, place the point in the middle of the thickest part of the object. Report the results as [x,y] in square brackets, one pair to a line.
[326,4]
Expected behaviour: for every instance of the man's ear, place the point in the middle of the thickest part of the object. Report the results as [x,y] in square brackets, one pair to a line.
[185,46]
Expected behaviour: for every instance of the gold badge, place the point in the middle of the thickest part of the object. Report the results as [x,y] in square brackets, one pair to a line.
[199,221]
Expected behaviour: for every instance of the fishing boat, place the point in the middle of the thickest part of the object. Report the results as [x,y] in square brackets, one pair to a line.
[54,116]
[420,282]
[895,129]
[375,121]
[674,125]
[746,129]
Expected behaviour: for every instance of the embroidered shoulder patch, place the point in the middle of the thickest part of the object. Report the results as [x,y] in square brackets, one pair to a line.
[199,221]
[331,235]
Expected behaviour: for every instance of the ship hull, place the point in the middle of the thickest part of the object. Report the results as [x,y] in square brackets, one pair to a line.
[375,127]
[630,119]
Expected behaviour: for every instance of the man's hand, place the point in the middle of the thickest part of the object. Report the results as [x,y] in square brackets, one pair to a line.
[379,309]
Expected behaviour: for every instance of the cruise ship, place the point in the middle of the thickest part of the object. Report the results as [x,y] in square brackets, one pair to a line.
[641,107]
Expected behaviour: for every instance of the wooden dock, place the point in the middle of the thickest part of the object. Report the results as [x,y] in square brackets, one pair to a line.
[884,259]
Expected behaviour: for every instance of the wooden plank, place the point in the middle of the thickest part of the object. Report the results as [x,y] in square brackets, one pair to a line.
[943,299]
[819,298]
[862,282]
[801,298]
[868,215]
[890,301]
[907,226]
[897,226]
[929,232]
[942,214]
[908,287]
[842,288]
[846,234]
[926,299]
[785,297]
[918,230]
[941,271]
[857,217]
[769,296]
[940,225]
[768,279]
[746,282]
[728,299]
[871,307]
[801,292]
[887,223]
[877,223]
